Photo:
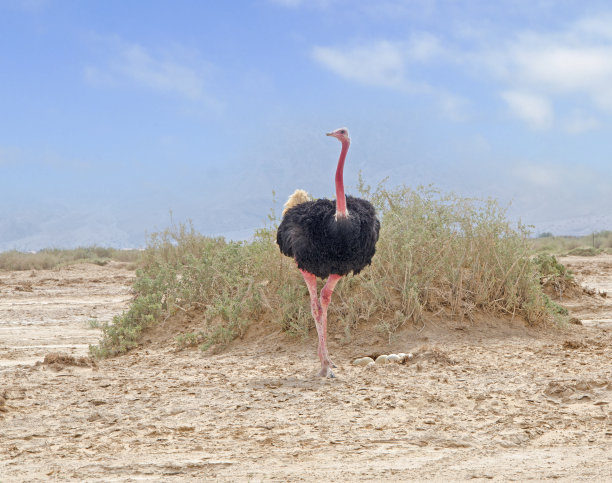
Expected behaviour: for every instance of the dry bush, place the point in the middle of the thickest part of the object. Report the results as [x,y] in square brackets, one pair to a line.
[443,252]
[436,253]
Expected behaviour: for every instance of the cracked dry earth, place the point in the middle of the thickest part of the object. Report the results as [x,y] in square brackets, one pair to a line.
[481,400]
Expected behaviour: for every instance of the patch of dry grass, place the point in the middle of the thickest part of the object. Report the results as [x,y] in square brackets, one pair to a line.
[588,245]
[52,257]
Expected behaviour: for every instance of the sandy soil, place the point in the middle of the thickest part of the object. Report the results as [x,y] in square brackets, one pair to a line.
[49,310]
[489,399]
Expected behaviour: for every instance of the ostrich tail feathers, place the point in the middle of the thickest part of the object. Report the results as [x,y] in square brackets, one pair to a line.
[298,197]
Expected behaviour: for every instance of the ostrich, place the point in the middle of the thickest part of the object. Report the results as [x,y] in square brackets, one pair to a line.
[328,239]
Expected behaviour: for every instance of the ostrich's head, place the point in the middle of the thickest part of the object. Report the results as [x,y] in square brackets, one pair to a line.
[341,135]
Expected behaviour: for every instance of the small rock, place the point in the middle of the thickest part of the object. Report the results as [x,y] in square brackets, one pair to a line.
[370,365]
[394,358]
[409,355]
[94,417]
[382,359]
[363,361]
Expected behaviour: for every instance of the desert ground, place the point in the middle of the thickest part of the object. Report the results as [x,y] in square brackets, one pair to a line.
[482,399]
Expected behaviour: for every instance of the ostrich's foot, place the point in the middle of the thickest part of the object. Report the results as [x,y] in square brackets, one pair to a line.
[327,372]
[326,364]
[327,360]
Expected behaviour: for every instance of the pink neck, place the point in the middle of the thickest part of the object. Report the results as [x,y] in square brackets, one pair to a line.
[340,198]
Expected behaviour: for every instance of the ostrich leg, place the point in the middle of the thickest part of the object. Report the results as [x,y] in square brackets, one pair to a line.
[315,308]
[326,293]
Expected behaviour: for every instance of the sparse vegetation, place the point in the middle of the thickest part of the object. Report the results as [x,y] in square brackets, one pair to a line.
[190,339]
[556,281]
[559,312]
[52,257]
[588,245]
[436,253]
[549,268]
[585,251]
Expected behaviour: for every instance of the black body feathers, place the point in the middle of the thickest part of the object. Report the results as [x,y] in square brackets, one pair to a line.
[310,234]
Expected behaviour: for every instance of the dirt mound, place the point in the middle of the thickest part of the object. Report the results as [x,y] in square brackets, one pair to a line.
[24,287]
[58,360]
[573,344]
[560,288]
[433,355]
[181,332]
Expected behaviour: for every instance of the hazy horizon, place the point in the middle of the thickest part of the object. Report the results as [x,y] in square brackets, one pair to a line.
[116,114]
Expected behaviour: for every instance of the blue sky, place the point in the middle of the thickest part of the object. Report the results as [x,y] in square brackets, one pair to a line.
[115,113]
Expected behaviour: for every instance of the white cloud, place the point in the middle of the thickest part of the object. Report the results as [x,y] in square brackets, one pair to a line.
[381,63]
[593,27]
[563,68]
[424,47]
[544,77]
[130,63]
[388,64]
[539,176]
[533,109]
[579,122]
[571,66]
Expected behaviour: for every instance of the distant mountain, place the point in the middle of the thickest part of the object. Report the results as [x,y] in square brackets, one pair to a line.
[62,226]
[62,229]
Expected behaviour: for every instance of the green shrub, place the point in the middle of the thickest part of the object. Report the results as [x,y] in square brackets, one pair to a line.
[549,267]
[555,308]
[190,339]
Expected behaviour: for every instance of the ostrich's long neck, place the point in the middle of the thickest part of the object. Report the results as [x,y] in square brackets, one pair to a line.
[341,211]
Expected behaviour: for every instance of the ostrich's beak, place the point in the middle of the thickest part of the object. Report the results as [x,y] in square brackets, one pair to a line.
[329,133]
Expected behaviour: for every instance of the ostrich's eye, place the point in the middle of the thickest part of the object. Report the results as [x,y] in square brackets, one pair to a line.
[343,132]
